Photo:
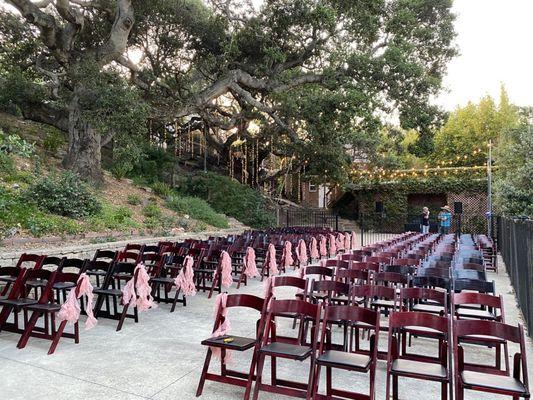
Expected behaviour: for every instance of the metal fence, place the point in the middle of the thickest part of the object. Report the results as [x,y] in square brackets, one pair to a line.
[515,242]
[309,218]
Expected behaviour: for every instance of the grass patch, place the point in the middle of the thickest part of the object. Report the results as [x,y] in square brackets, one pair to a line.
[197,209]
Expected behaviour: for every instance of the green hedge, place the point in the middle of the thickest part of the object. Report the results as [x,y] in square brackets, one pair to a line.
[197,209]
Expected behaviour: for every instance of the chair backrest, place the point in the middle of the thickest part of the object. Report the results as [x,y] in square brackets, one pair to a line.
[473,298]
[331,288]
[399,269]
[105,254]
[53,263]
[472,266]
[413,295]
[285,281]
[431,281]
[390,279]
[436,272]
[367,266]
[34,259]
[476,285]
[129,256]
[321,271]
[468,327]
[350,276]
[373,291]
[133,247]
[406,261]
[302,309]
[75,265]
[402,319]
[352,314]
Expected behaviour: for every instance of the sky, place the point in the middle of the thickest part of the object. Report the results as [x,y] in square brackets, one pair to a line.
[495,43]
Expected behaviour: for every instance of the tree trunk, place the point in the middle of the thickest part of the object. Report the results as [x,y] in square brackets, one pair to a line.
[84,146]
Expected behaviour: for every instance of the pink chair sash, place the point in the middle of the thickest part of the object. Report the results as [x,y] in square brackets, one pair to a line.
[347,244]
[250,267]
[332,245]
[323,246]
[137,293]
[301,250]
[70,309]
[340,241]
[185,279]
[272,264]
[225,265]
[354,241]
[224,328]
[314,249]
[287,254]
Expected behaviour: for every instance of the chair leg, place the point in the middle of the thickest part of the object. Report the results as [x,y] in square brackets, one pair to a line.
[176,297]
[329,384]
[444,391]
[57,337]
[387,388]
[316,381]
[28,330]
[395,387]
[258,380]
[122,317]
[204,372]
[250,376]
[310,383]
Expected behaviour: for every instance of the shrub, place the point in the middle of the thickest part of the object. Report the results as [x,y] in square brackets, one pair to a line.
[162,189]
[7,166]
[152,211]
[227,196]
[197,209]
[16,145]
[53,140]
[64,195]
[114,218]
[121,169]
[134,199]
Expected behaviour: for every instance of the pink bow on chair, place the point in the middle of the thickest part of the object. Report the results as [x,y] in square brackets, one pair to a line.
[272,264]
[287,254]
[225,265]
[250,267]
[347,244]
[340,241]
[314,249]
[354,241]
[323,246]
[185,279]
[302,252]
[70,309]
[332,245]
[137,294]
[223,328]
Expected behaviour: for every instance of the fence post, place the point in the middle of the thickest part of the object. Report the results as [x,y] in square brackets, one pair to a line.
[336,222]
[362,229]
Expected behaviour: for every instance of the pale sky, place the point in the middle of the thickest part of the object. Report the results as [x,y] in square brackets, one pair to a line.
[495,39]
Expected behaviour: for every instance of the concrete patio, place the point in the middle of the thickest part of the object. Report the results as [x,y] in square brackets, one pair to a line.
[161,358]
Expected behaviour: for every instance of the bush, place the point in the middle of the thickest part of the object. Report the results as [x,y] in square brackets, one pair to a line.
[14,144]
[152,211]
[197,209]
[64,195]
[134,199]
[7,166]
[113,218]
[162,189]
[53,140]
[120,169]
[231,198]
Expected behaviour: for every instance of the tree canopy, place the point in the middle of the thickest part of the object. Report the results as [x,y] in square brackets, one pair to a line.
[316,77]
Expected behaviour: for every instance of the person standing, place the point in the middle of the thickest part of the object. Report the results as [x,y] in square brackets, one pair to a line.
[424,220]
[445,220]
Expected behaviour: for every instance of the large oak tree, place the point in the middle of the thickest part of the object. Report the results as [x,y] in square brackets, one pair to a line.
[317,77]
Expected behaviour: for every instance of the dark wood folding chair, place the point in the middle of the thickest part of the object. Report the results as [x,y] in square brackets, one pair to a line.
[163,278]
[47,307]
[108,256]
[233,343]
[340,356]
[8,275]
[298,350]
[490,381]
[469,305]
[108,291]
[423,367]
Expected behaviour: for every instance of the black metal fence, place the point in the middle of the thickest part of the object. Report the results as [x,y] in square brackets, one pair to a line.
[515,242]
[309,218]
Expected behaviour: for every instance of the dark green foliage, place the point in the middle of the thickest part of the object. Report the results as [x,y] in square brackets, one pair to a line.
[231,198]
[162,189]
[154,165]
[152,211]
[134,199]
[7,166]
[197,209]
[64,194]
[53,140]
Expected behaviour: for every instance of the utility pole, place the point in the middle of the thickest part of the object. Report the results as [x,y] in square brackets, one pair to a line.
[489,189]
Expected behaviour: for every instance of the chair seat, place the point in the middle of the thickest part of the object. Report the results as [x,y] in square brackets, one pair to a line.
[109,292]
[429,308]
[123,276]
[345,360]
[423,369]
[475,313]
[8,279]
[382,303]
[96,272]
[18,302]
[164,280]
[287,350]
[36,283]
[491,381]
[422,330]
[64,285]
[482,339]
[340,299]
[44,307]
[239,343]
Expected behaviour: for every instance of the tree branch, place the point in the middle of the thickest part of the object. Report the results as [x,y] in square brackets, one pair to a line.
[118,39]
[45,22]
